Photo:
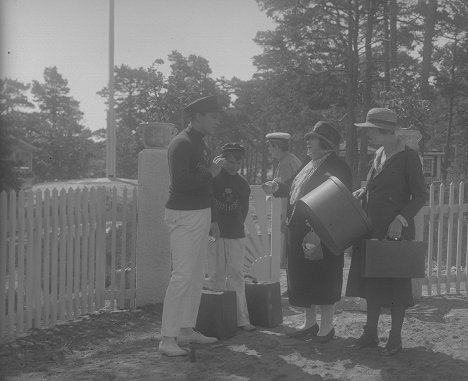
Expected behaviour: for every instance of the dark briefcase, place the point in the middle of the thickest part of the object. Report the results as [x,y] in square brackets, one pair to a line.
[394,259]
[217,315]
[264,303]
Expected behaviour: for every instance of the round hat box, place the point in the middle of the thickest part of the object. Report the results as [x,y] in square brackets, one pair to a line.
[335,215]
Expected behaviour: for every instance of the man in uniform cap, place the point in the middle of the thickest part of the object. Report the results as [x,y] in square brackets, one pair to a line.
[288,163]
[286,169]
[188,217]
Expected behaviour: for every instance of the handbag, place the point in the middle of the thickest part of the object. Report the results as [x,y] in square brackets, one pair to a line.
[393,259]
[312,247]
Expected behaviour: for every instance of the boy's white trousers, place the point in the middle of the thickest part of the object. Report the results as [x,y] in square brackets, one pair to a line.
[189,231]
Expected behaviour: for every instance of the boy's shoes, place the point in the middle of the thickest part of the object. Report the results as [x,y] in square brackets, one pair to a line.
[171,349]
[248,327]
[196,337]
[304,332]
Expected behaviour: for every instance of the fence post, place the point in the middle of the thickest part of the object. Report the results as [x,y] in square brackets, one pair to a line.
[417,283]
[153,260]
[3,256]
[277,237]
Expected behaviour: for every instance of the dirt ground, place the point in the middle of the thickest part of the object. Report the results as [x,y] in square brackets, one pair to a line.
[123,346]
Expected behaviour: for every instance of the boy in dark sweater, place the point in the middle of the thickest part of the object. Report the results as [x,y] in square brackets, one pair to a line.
[231,194]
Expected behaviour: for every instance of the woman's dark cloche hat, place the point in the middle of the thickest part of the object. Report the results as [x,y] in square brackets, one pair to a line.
[326,132]
[202,105]
[232,148]
[380,117]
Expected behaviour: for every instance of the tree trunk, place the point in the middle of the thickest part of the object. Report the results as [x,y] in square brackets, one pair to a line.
[429,10]
[250,164]
[367,96]
[244,160]
[264,151]
[255,168]
[393,13]
[386,46]
[448,139]
[351,88]
[447,153]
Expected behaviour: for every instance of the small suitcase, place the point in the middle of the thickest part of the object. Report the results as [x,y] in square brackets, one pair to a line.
[217,315]
[394,259]
[264,303]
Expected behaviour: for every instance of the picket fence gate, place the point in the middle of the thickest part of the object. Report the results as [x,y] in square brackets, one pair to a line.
[62,255]
[443,224]
[263,236]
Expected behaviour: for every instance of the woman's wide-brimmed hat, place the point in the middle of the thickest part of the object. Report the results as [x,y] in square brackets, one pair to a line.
[380,117]
[326,132]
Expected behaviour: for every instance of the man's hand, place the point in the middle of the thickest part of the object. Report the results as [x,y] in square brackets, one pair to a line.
[217,165]
[214,230]
[394,230]
[360,193]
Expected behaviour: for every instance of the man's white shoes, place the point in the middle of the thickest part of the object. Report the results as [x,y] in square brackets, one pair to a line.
[170,348]
[196,337]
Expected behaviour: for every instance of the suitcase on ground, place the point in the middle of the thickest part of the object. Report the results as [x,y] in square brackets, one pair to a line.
[264,303]
[217,315]
[394,259]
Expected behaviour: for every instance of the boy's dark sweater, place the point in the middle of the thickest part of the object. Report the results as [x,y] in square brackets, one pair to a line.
[231,201]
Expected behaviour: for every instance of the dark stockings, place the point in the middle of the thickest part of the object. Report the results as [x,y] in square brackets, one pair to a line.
[398,315]
[373,313]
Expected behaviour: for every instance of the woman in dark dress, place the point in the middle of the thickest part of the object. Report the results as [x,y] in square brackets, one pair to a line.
[394,194]
[315,274]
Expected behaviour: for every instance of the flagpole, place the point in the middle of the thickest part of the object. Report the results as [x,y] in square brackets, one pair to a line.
[111,136]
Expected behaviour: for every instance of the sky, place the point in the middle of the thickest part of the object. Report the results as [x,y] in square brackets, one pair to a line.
[74,34]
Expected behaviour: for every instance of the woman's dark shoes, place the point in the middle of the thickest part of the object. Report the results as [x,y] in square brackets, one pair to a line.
[324,339]
[313,330]
[393,346]
[366,340]
[391,351]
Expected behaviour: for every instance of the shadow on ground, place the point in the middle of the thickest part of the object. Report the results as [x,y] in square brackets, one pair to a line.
[123,346]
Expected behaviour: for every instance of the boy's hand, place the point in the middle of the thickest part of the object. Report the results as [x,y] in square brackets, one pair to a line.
[214,231]
[217,165]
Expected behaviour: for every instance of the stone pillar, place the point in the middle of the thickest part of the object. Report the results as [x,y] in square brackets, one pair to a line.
[153,258]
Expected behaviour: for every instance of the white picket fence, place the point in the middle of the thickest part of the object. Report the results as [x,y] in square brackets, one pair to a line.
[53,258]
[443,224]
[68,253]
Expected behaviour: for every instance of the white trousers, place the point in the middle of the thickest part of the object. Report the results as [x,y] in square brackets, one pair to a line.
[229,274]
[189,243]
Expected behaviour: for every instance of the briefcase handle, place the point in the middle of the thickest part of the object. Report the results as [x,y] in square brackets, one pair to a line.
[254,280]
[394,239]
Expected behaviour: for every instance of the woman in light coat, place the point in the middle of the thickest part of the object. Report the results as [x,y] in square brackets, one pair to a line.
[394,194]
